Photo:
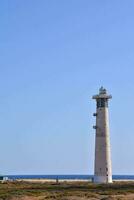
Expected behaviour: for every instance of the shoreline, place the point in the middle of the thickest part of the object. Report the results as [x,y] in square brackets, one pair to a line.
[65,180]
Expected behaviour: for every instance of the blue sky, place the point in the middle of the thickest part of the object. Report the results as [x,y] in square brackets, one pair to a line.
[54,55]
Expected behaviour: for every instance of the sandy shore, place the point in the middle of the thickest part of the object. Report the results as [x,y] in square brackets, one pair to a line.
[51,180]
[65,180]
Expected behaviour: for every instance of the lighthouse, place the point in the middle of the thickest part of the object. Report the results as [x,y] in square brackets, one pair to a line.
[103,166]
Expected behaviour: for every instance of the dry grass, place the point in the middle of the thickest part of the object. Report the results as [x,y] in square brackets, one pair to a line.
[66,191]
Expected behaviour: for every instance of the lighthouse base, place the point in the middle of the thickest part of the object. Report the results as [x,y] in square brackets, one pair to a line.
[102,179]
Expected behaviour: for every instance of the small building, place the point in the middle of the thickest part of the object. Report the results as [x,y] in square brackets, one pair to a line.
[3,178]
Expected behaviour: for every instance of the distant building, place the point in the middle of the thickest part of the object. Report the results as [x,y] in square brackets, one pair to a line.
[3,178]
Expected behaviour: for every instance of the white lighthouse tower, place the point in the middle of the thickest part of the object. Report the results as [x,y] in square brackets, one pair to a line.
[103,167]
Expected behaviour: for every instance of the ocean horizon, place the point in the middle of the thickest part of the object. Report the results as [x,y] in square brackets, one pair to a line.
[66,177]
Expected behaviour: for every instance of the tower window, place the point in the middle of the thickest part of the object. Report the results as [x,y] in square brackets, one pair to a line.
[102,103]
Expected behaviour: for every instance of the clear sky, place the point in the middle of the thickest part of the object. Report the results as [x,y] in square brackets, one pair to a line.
[54,55]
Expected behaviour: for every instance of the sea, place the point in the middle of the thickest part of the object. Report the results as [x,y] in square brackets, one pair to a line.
[66,177]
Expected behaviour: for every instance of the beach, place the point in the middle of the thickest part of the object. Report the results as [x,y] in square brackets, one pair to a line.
[67,180]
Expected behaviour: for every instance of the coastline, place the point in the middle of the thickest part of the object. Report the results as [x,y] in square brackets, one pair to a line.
[66,180]
[52,180]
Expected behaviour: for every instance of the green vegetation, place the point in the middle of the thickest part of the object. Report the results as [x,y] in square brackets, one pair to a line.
[65,191]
